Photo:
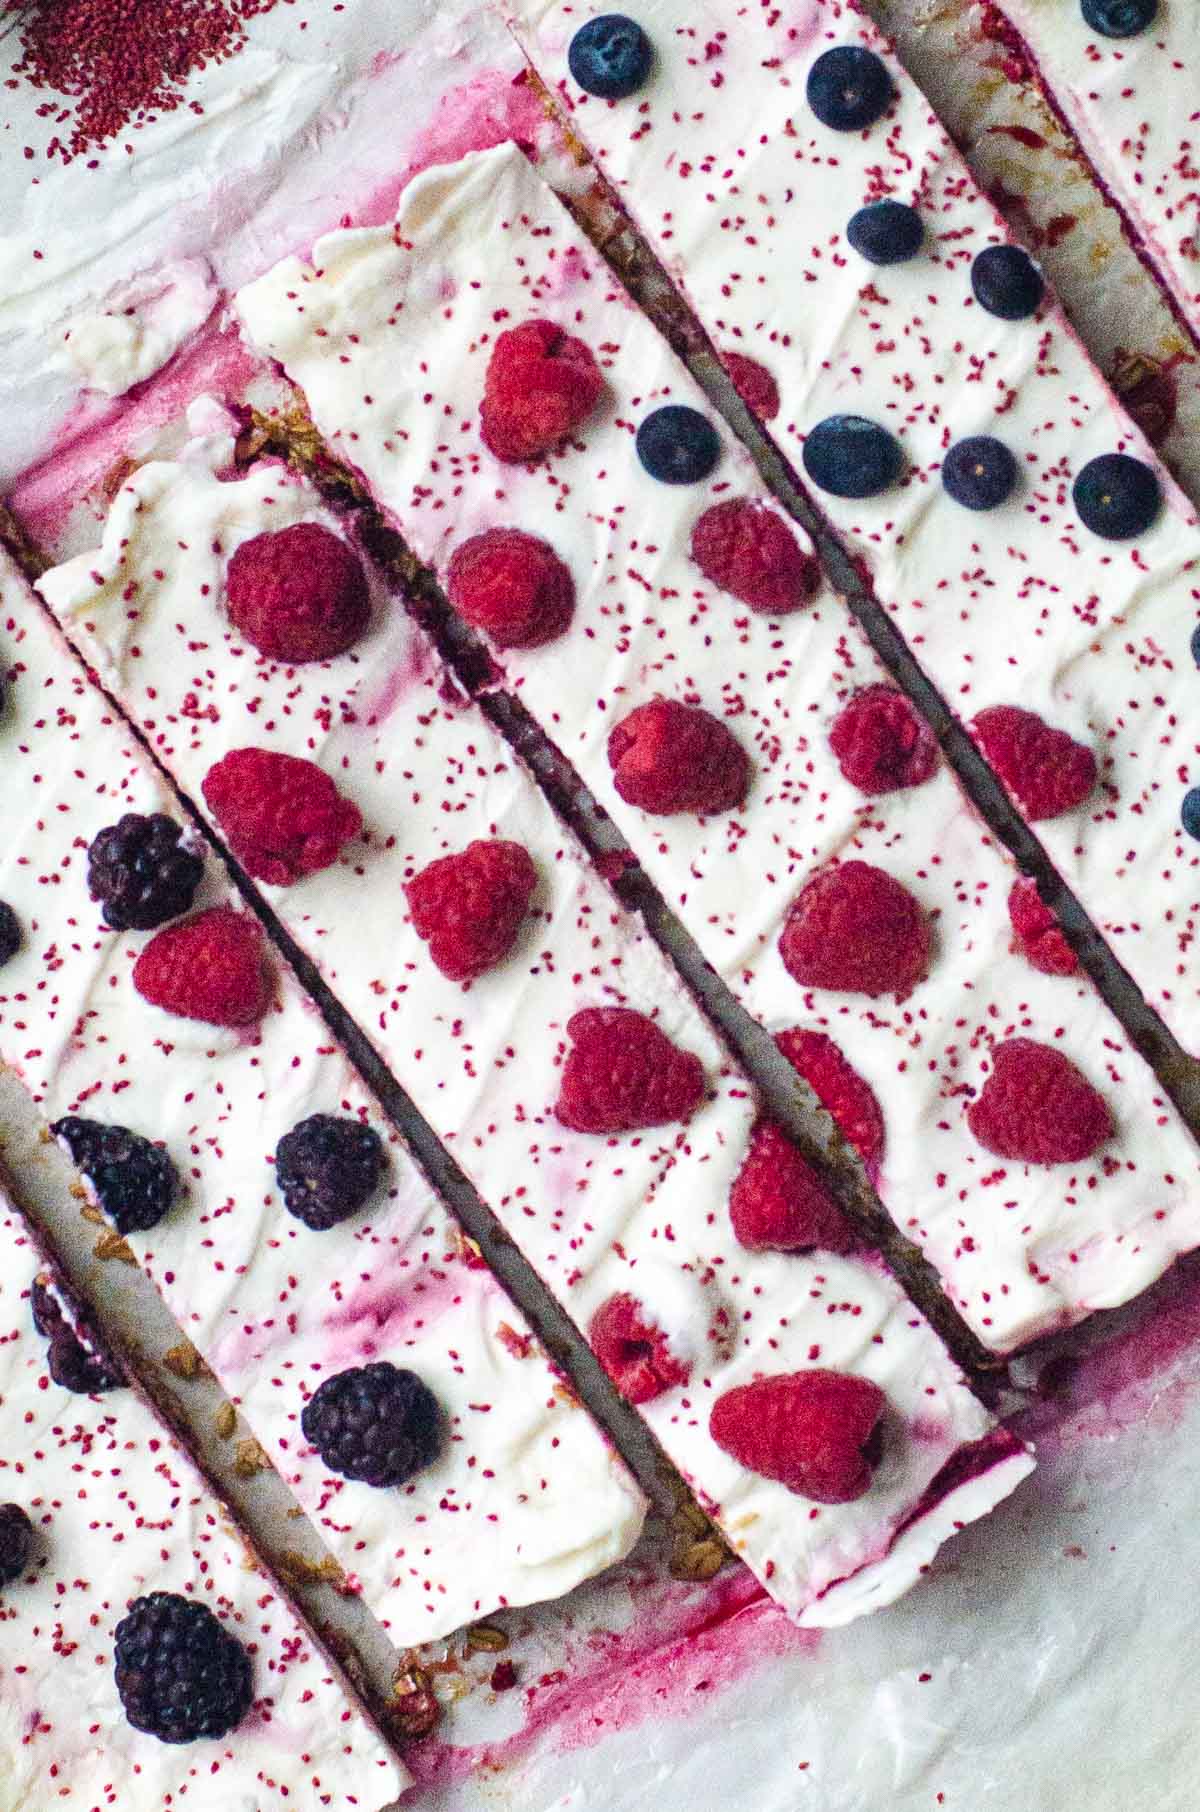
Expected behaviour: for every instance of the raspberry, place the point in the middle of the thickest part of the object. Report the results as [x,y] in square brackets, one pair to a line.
[624,1073]
[854,928]
[142,871]
[633,1350]
[375,1423]
[283,817]
[817,1432]
[327,1169]
[298,594]
[211,967]
[540,385]
[1037,933]
[511,586]
[181,1675]
[840,1090]
[882,743]
[1045,770]
[10,933]
[753,383]
[78,1358]
[134,1181]
[470,907]
[667,757]
[16,1543]
[779,1202]
[1037,1107]
[747,550]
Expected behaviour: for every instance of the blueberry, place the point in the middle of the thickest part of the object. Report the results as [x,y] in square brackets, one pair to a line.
[678,445]
[10,933]
[979,472]
[610,56]
[886,232]
[1189,815]
[851,457]
[1196,645]
[848,88]
[1116,496]
[1118,18]
[1006,282]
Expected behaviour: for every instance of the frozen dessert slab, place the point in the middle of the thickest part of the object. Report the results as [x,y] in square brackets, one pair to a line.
[119,1511]
[639,1213]
[525,1497]
[370,336]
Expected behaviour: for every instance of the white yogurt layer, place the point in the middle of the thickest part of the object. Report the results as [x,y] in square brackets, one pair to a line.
[143,326]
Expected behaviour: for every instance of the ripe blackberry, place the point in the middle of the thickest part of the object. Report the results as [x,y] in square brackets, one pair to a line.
[78,1357]
[135,1182]
[375,1423]
[142,872]
[16,1542]
[180,1673]
[327,1168]
[10,933]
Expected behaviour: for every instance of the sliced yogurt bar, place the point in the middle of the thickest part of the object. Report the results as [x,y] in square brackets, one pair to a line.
[515,1495]
[571,1075]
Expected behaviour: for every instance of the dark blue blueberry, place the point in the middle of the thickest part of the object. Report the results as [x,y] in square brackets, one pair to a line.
[1116,496]
[610,56]
[851,457]
[1189,814]
[1006,282]
[979,472]
[886,232]
[848,88]
[678,445]
[1119,18]
[1196,645]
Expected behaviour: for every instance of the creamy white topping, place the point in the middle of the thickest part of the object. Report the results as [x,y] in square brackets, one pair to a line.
[142,327]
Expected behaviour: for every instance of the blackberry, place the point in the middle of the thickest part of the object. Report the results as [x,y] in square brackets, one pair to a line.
[886,232]
[327,1168]
[610,56]
[375,1423]
[1006,282]
[979,472]
[135,1183]
[677,445]
[849,456]
[10,933]
[180,1673]
[142,872]
[78,1357]
[1116,496]
[16,1542]
[848,88]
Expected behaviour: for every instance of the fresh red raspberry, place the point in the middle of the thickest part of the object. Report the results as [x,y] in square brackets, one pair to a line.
[540,385]
[1037,1107]
[469,907]
[513,587]
[211,967]
[753,383]
[1045,770]
[817,1432]
[1037,933]
[633,1350]
[298,594]
[779,1202]
[882,742]
[747,550]
[624,1073]
[667,757]
[854,928]
[282,816]
[841,1091]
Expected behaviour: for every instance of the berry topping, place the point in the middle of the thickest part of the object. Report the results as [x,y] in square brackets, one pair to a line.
[817,1432]
[540,385]
[375,1423]
[79,1359]
[855,929]
[16,1543]
[979,472]
[511,586]
[753,383]
[1116,496]
[633,1350]
[667,757]
[610,56]
[1037,934]
[142,871]
[10,933]
[133,1181]
[624,1073]
[180,1673]
[1119,18]
[1046,771]
[840,1090]
[848,88]
[886,232]
[882,743]
[849,456]
[1037,1107]
[283,817]
[298,594]
[779,1201]
[470,907]
[677,445]
[752,553]
[1189,812]
[1006,282]
[327,1169]
[211,967]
